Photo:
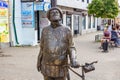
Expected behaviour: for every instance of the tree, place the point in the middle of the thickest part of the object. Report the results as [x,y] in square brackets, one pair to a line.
[103,8]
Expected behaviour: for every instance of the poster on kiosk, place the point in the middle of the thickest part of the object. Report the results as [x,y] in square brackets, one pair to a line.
[4,26]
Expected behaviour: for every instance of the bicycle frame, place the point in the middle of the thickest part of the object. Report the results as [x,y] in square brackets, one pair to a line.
[83,72]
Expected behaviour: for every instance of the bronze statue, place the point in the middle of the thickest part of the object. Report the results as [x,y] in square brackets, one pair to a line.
[55,47]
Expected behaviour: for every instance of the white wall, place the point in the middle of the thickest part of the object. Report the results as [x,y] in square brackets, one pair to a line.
[73,3]
[26,36]
[17,21]
[79,5]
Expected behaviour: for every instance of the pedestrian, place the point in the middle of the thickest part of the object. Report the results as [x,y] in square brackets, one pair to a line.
[118,33]
[105,40]
[55,47]
[115,36]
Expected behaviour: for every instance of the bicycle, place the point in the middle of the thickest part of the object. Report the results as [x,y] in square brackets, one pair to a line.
[87,67]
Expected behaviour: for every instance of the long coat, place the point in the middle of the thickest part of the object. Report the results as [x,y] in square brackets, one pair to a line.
[54,50]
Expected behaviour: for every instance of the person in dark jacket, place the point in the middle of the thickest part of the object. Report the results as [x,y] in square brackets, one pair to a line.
[114,36]
[118,33]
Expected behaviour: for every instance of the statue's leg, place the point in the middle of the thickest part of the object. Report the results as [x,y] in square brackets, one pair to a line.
[48,78]
[61,78]
[51,78]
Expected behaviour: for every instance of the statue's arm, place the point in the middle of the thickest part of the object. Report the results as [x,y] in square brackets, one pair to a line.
[72,52]
[40,55]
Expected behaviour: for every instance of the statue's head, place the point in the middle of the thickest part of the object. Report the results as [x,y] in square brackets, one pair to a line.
[54,14]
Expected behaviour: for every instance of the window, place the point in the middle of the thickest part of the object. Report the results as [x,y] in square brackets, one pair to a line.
[68,20]
[31,0]
[76,24]
[93,22]
[83,22]
[27,0]
[89,22]
[87,1]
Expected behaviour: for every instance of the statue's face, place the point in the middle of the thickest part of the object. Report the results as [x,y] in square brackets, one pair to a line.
[54,15]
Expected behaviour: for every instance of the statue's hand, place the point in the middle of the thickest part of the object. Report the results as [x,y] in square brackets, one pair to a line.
[75,64]
[38,67]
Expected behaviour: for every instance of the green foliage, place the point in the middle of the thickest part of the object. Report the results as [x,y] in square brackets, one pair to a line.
[103,8]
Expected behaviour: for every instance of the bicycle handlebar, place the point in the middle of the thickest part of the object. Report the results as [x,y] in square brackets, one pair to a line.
[89,63]
[85,63]
[93,62]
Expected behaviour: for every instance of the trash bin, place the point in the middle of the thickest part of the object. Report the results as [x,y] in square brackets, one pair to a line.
[98,37]
[75,32]
[98,28]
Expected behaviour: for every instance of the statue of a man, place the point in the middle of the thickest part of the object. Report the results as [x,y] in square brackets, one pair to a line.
[55,47]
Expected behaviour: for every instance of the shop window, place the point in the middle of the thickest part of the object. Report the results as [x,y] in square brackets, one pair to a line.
[82,0]
[87,1]
[76,24]
[84,22]
[32,0]
[27,0]
[89,21]
[68,21]
[93,22]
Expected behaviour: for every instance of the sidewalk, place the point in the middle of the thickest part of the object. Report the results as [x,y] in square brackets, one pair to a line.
[19,63]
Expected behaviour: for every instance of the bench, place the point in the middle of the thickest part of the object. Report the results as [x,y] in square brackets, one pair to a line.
[98,37]
[111,44]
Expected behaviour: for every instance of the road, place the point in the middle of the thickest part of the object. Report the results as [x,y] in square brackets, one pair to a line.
[19,63]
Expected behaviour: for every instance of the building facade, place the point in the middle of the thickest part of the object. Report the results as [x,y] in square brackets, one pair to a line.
[28,18]
[76,16]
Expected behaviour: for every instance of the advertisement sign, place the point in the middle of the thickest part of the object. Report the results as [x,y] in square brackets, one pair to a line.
[47,1]
[27,15]
[43,6]
[4,27]
[38,6]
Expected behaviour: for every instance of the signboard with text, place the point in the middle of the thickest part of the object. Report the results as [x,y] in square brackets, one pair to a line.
[27,15]
[43,6]
[4,26]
